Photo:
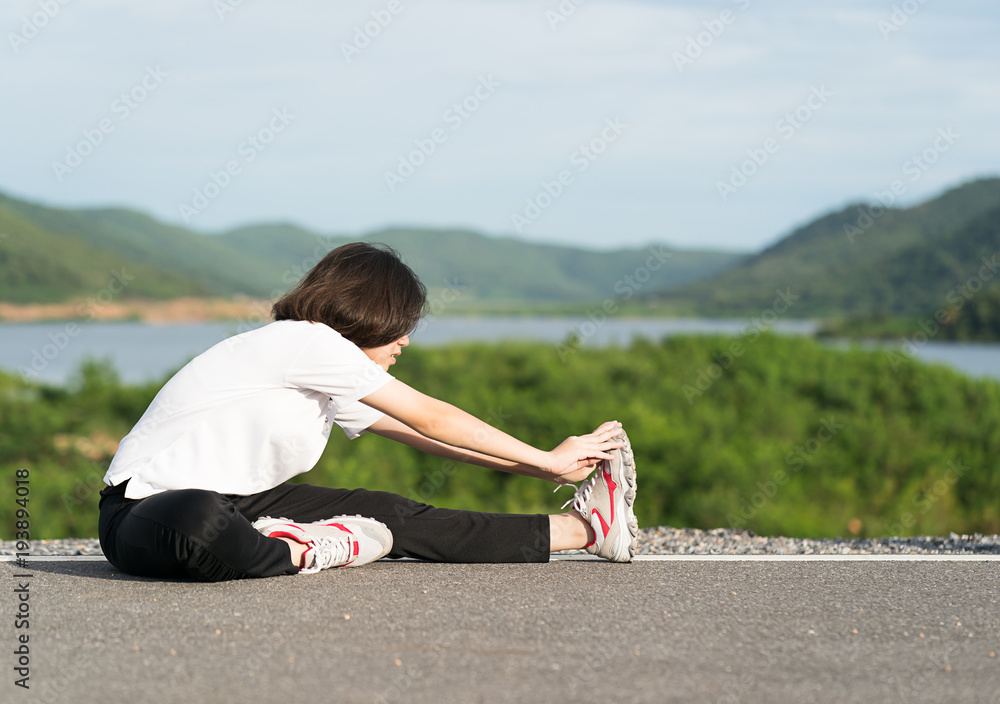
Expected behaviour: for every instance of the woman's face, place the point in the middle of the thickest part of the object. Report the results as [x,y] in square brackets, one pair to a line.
[385,356]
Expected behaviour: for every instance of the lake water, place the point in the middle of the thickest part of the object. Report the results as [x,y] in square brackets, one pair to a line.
[51,352]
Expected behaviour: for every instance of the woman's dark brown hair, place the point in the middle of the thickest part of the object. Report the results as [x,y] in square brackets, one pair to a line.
[361,290]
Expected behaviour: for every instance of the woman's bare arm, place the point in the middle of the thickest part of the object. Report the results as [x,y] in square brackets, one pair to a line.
[389,427]
[451,426]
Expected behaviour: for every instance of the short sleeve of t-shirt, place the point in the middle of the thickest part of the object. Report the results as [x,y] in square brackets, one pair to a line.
[331,365]
[345,374]
[356,418]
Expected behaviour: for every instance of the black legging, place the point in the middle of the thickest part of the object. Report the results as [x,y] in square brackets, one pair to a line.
[207,536]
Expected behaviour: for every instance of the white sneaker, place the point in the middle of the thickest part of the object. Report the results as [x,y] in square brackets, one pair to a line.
[341,541]
[605,501]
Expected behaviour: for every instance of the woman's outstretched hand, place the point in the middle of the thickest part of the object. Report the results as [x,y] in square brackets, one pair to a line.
[578,455]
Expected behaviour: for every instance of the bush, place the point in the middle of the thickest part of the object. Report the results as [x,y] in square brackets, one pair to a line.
[784,436]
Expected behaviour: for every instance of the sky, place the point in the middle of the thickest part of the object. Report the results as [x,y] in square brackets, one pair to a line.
[599,124]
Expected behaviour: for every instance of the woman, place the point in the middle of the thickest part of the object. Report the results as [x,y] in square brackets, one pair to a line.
[191,491]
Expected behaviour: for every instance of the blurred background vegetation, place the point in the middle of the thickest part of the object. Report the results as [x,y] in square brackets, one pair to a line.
[785,437]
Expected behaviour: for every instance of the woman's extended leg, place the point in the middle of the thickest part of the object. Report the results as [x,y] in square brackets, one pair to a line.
[418,530]
[207,536]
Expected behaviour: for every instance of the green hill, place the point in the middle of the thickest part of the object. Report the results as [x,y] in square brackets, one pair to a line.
[926,278]
[863,259]
[509,270]
[42,265]
[198,264]
[53,255]
[963,305]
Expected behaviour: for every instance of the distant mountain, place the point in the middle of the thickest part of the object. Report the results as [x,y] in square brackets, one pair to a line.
[863,259]
[501,269]
[963,263]
[52,255]
[40,262]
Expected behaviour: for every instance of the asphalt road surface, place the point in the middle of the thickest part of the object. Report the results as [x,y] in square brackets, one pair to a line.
[567,631]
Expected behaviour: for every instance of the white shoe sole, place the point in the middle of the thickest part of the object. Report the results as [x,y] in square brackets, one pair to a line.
[627,539]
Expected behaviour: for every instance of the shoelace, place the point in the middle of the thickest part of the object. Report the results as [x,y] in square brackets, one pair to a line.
[581,496]
[330,552]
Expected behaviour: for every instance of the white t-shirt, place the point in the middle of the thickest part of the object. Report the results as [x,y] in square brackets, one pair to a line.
[250,413]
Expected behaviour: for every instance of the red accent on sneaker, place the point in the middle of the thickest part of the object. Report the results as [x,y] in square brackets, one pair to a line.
[283,534]
[606,525]
[611,487]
